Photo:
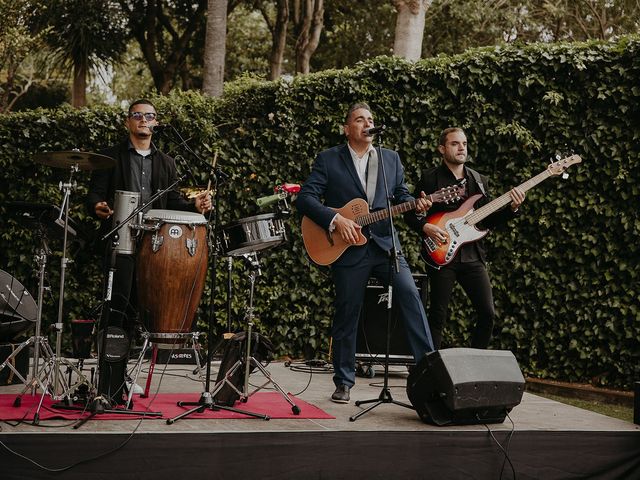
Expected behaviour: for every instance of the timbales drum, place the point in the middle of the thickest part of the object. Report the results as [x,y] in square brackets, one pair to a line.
[123,204]
[253,234]
[171,270]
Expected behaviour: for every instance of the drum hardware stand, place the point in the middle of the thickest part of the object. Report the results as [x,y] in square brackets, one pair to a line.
[249,360]
[206,400]
[39,342]
[137,368]
[41,377]
[394,267]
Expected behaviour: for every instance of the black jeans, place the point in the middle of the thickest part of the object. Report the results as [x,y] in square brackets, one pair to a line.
[474,280]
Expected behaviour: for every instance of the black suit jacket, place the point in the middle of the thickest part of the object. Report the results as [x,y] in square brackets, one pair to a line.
[435,178]
[105,182]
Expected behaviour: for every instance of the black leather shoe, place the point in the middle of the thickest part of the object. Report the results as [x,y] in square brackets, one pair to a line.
[341,395]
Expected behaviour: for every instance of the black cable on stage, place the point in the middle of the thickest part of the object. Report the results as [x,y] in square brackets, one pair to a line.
[504,450]
[311,367]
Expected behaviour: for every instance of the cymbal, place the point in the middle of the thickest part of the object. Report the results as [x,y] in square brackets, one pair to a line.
[84,160]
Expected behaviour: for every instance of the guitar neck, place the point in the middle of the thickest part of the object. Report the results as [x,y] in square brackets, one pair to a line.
[493,206]
[382,214]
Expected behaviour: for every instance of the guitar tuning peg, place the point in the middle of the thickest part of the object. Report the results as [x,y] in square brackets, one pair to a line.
[558,156]
[565,175]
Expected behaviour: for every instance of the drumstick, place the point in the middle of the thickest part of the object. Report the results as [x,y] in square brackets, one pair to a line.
[213,164]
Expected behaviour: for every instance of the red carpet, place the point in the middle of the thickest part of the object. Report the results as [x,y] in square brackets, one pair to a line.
[267,403]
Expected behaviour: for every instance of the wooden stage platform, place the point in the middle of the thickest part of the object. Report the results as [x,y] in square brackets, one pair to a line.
[550,441]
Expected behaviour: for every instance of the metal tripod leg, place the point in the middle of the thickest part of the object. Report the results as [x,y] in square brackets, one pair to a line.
[9,364]
[206,401]
[250,360]
[138,367]
[44,378]
[294,408]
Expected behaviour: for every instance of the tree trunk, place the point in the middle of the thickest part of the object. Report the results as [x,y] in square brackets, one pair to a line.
[79,88]
[214,48]
[309,19]
[164,43]
[410,28]
[279,39]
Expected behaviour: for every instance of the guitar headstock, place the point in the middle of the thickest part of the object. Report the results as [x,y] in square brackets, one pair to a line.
[557,168]
[449,194]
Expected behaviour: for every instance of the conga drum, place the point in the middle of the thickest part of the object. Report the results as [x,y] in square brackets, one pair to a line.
[171,270]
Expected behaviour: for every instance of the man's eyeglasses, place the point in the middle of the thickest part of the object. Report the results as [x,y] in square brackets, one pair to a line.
[148,116]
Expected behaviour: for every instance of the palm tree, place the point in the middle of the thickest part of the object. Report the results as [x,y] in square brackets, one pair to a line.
[84,34]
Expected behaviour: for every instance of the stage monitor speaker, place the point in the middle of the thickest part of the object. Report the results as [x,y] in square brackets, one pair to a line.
[371,341]
[462,386]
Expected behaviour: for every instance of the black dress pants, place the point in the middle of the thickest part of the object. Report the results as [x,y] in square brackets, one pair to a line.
[474,280]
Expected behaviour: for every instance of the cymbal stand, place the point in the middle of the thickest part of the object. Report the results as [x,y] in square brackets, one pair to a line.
[249,361]
[206,400]
[40,343]
[64,210]
[41,378]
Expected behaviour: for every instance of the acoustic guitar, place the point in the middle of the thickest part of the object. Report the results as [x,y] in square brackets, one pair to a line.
[324,248]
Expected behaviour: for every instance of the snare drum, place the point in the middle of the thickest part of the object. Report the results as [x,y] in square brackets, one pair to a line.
[123,204]
[253,234]
[171,270]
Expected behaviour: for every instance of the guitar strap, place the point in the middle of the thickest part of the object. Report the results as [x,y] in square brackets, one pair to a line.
[478,179]
[372,176]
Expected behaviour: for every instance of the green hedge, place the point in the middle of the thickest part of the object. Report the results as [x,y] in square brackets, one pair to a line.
[565,273]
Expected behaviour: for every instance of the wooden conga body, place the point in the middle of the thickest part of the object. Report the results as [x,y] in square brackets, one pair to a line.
[171,271]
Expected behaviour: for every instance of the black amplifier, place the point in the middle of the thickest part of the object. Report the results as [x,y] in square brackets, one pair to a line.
[371,343]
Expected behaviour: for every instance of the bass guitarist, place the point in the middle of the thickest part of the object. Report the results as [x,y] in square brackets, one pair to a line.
[468,266]
[339,175]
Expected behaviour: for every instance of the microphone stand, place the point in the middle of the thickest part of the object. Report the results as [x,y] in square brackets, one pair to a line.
[394,267]
[101,403]
[217,173]
[153,198]
[206,400]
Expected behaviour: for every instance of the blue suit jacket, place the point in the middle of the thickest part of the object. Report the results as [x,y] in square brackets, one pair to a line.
[334,179]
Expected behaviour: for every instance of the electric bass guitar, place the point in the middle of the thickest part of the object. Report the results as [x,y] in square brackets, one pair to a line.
[460,225]
[324,248]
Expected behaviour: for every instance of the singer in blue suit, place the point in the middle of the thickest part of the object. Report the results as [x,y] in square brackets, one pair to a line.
[339,175]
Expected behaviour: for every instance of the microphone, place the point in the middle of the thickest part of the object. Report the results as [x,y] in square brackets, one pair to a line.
[370,132]
[269,199]
[158,128]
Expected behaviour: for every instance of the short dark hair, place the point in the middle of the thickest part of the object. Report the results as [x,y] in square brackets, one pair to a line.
[445,133]
[142,101]
[353,108]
